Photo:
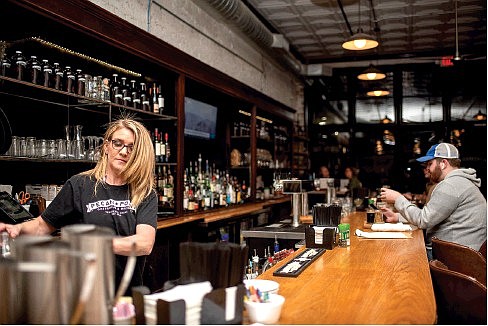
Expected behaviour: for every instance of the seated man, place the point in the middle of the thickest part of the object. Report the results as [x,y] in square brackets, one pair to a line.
[456,211]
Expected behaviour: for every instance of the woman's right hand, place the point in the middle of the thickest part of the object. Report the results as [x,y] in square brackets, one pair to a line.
[13,230]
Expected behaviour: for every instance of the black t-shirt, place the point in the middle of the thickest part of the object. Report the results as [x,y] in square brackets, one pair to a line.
[111,208]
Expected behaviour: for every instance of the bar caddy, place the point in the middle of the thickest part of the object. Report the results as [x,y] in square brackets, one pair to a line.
[323,232]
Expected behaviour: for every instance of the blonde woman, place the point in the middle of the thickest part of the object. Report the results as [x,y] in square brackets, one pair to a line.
[118,193]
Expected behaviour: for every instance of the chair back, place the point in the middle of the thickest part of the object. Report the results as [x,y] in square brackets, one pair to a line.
[460,299]
[482,249]
[459,258]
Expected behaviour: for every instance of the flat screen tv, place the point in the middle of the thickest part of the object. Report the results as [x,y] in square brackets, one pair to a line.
[200,119]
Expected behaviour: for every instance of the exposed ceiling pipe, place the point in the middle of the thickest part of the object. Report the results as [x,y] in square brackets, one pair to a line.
[245,20]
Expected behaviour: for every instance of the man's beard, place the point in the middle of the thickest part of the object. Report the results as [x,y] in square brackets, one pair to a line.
[436,175]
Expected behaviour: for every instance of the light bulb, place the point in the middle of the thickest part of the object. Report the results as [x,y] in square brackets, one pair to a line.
[377,93]
[371,75]
[361,43]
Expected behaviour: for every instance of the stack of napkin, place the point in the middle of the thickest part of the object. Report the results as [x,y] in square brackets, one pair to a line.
[192,294]
[391,227]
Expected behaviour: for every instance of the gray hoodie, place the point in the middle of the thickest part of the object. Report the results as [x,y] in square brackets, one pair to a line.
[456,211]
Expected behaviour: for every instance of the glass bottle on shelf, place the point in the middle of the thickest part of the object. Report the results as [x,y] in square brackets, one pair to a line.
[136,99]
[20,64]
[35,70]
[155,99]
[126,95]
[47,71]
[144,97]
[116,90]
[6,69]
[58,76]
[167,151]
[160,100]
[70,79]
[105,91]
[81,82]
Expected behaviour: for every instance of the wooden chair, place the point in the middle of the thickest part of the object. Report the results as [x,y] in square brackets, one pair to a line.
[459,258]
[482,249]
[460,299]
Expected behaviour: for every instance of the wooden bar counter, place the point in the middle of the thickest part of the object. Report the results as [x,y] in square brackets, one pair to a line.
[373,281]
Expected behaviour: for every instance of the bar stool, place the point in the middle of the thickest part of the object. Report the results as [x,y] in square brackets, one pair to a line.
[460,299]
[460,258]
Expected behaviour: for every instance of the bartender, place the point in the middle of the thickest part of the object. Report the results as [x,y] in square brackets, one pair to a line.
[118,193]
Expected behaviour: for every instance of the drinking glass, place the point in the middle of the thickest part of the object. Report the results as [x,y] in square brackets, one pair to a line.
[31,146]
[61,149]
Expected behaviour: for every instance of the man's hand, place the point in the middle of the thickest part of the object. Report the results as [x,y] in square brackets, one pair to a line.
[391,217]
[389,195]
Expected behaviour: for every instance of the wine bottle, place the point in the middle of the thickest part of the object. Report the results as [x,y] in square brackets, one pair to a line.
[167,148]
[157,146]
[160,100]
[155,99]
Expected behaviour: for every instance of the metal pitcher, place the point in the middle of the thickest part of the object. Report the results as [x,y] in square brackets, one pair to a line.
[12,287]
[98,240]
[58,297]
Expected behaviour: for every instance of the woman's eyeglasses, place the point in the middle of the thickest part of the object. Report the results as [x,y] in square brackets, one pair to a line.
[118,145]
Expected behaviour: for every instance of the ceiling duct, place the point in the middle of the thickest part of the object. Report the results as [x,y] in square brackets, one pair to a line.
[245,20]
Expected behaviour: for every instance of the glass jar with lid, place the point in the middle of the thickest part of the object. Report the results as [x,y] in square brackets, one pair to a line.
[20,64]
[47,71]
[34,68]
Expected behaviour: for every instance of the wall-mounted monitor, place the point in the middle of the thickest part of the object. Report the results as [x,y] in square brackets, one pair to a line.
[200,119]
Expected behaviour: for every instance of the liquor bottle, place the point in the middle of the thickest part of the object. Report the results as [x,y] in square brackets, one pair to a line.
[96,87]
[160,100]
[20,64]
[155,99]
[157,146]
[70,80]
[162,148]
[170,188]
[243,191]
[105,91]
[166,148]
[35,70]
[125,90]
[136,99]
[185,198]
[58,74]
[163,189]
[115,90]
[144,97]
[161,181]
[47,71]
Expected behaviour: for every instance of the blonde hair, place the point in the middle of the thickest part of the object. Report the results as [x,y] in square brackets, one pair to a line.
[139,171]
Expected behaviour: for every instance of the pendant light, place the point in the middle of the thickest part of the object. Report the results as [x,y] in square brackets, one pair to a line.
[371,73]
[360,41]
[378,92]
[386,120]
[480,116]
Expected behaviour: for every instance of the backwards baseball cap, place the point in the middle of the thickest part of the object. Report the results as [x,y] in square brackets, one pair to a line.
[443,150]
